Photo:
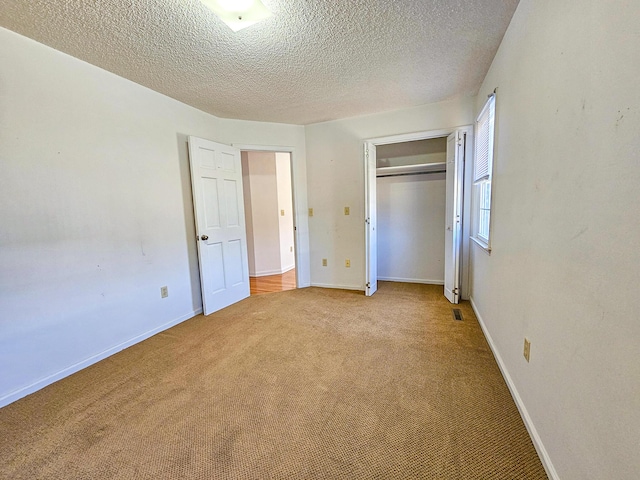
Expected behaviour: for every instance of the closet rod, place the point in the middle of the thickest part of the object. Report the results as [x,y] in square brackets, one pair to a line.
[410,173]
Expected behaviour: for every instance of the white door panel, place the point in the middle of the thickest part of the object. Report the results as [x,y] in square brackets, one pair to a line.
[371,242]
[216,179]
[453,216]
[231,202]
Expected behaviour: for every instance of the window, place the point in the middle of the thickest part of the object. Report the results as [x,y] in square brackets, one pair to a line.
[482,169]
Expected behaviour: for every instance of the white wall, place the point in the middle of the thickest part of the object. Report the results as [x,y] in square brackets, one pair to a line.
[411,219]
[563,271]
[96,212]
[336,179]
[285,204]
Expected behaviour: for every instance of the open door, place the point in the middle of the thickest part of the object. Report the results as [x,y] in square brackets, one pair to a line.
[453,215]
[371,260]
[216,180]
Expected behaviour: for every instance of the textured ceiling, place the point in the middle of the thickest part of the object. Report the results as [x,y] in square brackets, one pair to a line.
[313,60]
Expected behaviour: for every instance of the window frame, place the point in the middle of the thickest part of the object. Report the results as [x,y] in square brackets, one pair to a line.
[483,179]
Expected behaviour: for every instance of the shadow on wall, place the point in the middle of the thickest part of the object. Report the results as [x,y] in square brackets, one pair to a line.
[189,219]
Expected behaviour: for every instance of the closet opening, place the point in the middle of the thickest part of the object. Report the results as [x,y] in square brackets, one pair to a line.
[414,204]
[411,200]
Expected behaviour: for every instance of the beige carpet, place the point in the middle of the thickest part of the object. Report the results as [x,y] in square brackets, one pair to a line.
[304,384]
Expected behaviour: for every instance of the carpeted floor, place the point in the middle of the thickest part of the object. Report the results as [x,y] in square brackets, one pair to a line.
[304,384]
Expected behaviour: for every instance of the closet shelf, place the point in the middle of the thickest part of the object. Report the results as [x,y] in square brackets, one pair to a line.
[419,169]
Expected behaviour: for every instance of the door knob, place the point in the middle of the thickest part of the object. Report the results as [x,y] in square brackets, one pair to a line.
[204,237]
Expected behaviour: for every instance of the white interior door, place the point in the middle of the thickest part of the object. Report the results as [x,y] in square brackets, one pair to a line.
[216,180]
[453,215]
[371,240]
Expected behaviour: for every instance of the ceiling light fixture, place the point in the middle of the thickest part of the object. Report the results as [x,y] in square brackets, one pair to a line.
[238,14]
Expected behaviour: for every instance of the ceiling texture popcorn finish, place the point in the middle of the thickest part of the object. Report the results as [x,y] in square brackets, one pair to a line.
[313,60]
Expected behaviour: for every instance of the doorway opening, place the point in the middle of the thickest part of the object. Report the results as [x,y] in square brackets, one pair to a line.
[268,201]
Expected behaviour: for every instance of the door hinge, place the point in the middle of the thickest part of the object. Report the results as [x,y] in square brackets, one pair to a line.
[367,221]
[368,284]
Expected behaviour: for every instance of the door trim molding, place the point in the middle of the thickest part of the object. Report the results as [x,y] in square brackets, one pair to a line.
[412,137]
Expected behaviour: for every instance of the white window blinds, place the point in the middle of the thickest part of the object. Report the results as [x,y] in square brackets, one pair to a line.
[484,141]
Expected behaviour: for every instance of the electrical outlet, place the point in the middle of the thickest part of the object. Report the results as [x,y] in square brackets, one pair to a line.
[347,263]
[527,349]
[164,292]
[282,213]
[324,262]
[311,212]
[346,210]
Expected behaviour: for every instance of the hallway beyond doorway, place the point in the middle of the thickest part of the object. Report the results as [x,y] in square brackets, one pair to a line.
[273,283]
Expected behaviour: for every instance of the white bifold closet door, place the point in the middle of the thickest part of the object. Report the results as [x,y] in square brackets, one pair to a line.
[371,240]
[453,215]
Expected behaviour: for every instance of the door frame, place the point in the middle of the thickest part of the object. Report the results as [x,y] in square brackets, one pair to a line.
[300,222]
[466,198]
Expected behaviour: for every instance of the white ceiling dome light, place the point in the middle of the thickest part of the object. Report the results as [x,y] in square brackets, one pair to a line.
[238,14]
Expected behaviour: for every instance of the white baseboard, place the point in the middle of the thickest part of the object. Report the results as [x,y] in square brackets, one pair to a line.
[533,433]
[411,280]
[268,273]
[339,287]
[34,387]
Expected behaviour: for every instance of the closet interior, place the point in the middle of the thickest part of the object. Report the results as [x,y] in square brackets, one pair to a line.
[410,201]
